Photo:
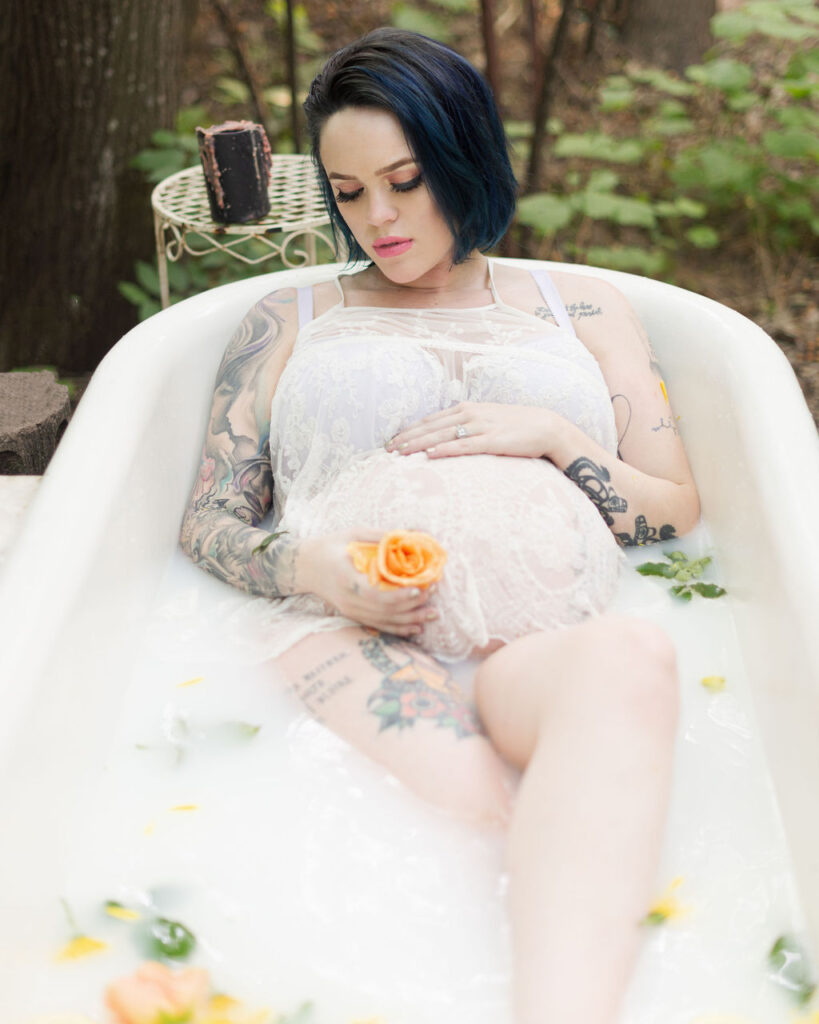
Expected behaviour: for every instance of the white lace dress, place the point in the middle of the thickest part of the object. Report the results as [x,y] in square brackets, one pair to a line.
[527,550]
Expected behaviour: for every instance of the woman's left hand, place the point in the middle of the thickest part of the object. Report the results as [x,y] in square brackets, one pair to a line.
[479,428]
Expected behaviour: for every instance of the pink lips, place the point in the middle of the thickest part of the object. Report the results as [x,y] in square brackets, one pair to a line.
[391,245]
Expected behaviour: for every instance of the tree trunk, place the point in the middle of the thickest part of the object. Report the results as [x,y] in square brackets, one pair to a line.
[85,83]
[672,35]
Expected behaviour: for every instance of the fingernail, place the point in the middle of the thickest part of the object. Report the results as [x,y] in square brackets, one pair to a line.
[415,592]
[430,449]
[401,447]
[431,616]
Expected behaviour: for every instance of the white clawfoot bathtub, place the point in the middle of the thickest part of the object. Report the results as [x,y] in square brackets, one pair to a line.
[77,681]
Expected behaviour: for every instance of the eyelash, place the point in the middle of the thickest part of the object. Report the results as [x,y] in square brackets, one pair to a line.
[404,186]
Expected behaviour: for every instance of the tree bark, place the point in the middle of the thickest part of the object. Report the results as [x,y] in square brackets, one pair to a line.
[671,35]
[85,84]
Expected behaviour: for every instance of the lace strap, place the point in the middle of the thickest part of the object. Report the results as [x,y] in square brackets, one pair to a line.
[305,304]
[553,300]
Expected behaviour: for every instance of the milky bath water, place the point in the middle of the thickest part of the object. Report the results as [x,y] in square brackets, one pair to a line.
[307,874]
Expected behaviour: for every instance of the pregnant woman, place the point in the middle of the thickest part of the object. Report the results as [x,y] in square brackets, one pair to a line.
[521,420]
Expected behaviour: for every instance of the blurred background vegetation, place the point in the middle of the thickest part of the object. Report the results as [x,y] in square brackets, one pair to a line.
[676,141]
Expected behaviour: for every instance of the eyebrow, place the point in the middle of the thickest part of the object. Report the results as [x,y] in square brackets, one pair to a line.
[381,170]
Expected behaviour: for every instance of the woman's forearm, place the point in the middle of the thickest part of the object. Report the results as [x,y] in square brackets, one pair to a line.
[638,508]
[240,554]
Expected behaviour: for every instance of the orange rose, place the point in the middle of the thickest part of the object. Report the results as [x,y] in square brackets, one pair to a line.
[156,994]
[403,558]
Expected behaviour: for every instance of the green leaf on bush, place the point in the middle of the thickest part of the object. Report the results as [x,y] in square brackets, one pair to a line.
[598,146]
[703,237]
[725,74]
[662,81]
[631,258]
[545,212]
[620,209]
[132,292]
[792,143]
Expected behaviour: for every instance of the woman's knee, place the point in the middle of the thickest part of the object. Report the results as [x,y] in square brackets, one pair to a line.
[633,664]
[605,665]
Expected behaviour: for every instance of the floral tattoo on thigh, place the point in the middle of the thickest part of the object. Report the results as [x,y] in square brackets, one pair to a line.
[414,687]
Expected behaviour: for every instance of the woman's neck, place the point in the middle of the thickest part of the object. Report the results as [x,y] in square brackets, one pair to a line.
[440,286]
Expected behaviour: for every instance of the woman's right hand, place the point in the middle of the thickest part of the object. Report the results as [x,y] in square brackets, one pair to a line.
[327,571]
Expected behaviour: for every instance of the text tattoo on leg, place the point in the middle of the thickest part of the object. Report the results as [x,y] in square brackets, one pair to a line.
[414,687]
[595,482]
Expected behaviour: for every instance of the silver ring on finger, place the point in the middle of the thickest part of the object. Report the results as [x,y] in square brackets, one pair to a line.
[461,431]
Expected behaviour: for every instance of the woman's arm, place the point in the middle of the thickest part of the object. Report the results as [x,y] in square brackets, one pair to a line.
[648,493]
[234,489]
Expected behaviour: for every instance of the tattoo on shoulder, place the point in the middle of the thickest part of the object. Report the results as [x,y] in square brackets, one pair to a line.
[576,310]
[234,489]
[413,688]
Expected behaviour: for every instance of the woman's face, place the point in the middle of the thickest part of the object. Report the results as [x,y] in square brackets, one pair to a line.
[380,193]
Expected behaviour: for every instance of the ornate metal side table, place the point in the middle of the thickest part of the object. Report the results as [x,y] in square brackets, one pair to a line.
[182,221]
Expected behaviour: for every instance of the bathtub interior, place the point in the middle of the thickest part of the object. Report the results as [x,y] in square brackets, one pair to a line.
[102,531]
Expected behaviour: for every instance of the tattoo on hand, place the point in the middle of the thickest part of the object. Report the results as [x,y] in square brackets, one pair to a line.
[595,482]
[415,687]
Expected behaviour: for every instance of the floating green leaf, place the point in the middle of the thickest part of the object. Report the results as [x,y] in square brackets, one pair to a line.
[167,938]
[791,969]
[678,566]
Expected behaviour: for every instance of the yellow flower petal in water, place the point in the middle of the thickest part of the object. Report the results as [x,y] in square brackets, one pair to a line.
[812,1018]
[186,807]
[713,683]
[81,946]
[667,907]
[190,682]
[224,1009]
[722,1018]
[121,913]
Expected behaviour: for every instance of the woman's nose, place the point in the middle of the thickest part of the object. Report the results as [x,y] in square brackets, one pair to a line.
[381,210]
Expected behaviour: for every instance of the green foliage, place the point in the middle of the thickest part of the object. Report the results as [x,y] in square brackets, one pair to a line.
[731,145]
[685,572]
[413,19]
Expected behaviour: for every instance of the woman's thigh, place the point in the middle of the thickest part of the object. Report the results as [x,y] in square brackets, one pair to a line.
[403,709]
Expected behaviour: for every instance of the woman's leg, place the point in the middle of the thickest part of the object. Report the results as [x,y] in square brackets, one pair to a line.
[589,715]
[402,708]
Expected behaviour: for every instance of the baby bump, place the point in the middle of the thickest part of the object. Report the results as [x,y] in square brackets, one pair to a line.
[526,549]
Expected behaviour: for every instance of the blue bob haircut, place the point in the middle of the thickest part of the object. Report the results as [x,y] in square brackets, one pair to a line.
[450,121]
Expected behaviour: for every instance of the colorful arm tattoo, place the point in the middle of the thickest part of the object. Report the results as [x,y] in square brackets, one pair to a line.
[234,490]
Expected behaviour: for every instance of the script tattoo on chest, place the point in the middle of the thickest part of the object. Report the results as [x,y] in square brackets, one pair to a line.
[576,310]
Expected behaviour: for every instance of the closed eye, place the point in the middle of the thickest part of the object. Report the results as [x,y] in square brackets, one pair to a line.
[402,186]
